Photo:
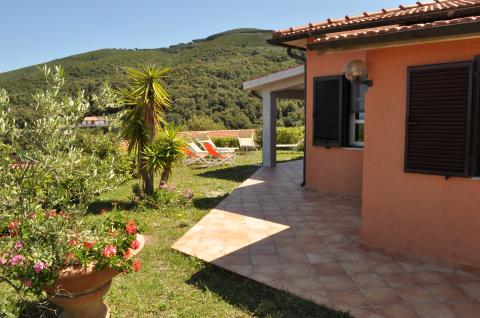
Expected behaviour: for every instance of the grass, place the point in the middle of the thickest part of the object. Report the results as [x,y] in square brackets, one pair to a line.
[171,284]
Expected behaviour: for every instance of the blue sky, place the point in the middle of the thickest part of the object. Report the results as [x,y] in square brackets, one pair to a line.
[36,31]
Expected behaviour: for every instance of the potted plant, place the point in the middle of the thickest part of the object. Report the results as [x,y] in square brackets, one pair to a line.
[78,268]
[48,246]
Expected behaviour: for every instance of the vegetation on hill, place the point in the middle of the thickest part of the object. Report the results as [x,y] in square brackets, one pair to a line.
[206,79]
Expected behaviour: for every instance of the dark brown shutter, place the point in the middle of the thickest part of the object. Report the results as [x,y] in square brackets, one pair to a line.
[439,119]
[329,102]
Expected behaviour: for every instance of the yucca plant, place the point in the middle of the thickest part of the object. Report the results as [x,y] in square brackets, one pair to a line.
[146,100]
[165,151]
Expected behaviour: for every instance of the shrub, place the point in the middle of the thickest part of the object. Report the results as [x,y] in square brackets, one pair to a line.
[285,135]
[290,135]
[46,184]
[98,143]
[165,151]
[105,145]
[231,142]
[165,197]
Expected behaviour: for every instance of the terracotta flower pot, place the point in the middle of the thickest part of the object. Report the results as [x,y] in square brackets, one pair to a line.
[80,291]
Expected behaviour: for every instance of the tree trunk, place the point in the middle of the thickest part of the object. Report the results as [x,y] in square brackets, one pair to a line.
[166,174]
[149,180]
[140,167]
[149,189]
[145,175]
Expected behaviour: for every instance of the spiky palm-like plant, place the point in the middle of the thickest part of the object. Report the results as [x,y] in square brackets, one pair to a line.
[147,100]
[165,151]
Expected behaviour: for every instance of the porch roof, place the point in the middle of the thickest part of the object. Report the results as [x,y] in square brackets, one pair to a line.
[287,84]
[292,78]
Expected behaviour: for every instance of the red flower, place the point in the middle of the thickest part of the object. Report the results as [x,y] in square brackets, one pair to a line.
[130,227]
[135,244]
[73,242]
[52,214]
[88,245]
[13,225]
[109,251]
[127,254]
[70,259]
[13,228]
[136,265]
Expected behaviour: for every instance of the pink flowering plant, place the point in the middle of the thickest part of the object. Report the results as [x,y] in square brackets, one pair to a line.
[35,250]
[114,250]
[47,183]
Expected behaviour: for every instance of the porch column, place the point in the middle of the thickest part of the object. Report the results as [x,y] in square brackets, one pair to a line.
[269,129]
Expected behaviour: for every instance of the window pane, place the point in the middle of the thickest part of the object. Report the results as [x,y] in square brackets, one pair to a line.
[359,132]
[360,116]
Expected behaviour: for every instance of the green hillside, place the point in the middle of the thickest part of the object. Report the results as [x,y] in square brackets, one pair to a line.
[206,78]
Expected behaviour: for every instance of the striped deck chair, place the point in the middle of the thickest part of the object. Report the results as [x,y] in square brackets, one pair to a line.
[193,157]
[207,139]
[217,157]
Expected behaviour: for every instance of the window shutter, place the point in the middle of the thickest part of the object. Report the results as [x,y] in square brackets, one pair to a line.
[439,119]
[329,110]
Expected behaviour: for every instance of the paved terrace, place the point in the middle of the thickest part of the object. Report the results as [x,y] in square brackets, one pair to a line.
[273,231]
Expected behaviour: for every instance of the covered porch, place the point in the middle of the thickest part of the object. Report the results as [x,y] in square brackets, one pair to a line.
[273,231]
[287,84]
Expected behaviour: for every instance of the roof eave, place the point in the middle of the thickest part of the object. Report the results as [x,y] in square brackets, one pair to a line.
[439,33]
[287,45]
[407,19]
[281,40]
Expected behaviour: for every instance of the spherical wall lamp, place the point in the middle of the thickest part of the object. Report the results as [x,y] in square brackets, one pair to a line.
[356,71]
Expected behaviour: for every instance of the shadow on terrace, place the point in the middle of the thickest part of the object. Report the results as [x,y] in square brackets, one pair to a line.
[258,299]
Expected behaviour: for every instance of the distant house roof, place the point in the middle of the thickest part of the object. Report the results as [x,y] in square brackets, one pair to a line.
[95,118]
[94,121]
[420,16]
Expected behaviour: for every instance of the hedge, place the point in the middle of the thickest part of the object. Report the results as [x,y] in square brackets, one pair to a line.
[231,142]
[285,135]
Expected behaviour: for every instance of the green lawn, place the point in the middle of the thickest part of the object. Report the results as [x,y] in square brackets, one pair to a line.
[171,284]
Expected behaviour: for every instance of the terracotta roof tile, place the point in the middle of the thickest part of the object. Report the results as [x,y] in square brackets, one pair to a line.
[392,29]
[384,14]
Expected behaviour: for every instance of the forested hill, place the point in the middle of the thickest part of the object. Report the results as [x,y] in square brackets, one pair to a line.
[206,78]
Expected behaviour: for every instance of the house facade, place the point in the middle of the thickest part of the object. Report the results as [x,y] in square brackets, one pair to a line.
[94,121]
[392,116]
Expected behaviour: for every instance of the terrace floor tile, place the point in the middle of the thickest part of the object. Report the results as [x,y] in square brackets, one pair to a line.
[272,230]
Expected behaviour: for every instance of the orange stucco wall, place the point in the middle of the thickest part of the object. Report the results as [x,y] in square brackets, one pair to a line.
[335,169]
[415,214]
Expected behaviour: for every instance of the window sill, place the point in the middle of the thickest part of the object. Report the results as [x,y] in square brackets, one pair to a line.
[355,148]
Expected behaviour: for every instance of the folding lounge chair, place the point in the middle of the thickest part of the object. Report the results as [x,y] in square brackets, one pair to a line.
[195,148]
[194,157]
[217,157]
[247,143]
[219,149]
[292,146]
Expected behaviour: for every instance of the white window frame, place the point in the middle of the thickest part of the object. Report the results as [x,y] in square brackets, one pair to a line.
[358,96]
[353,123]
